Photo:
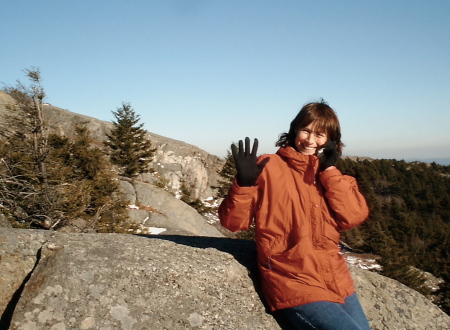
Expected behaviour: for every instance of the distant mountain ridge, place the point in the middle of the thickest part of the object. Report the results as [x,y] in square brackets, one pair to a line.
[441,161]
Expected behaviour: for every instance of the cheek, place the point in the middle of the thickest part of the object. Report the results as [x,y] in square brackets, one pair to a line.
[298,139]
[321,142]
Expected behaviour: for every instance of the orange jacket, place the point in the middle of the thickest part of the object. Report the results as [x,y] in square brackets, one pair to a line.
[298,216]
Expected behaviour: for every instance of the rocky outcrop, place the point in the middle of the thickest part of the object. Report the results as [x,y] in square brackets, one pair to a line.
[175,161]
[52,280]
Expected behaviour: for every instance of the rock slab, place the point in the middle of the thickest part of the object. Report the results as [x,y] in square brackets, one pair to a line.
[114,281]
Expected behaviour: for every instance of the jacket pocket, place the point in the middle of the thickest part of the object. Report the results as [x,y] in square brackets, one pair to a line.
[342,276]
[296,263]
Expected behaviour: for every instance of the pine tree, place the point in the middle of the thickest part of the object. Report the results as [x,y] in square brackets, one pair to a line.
[88,187]
[23,171]
[129,148]
[227,173]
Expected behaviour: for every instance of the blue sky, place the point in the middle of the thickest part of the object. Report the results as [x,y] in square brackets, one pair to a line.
[213,72]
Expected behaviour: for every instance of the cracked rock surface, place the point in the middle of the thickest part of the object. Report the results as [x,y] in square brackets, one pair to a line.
[111,281]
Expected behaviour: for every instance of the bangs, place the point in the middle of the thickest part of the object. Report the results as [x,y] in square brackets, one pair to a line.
[322,125]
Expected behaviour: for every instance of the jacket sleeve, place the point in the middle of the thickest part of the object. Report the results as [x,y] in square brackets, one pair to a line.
[344,198]
[236,211]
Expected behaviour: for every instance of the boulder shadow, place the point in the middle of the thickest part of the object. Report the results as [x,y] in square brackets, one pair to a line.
[244,251]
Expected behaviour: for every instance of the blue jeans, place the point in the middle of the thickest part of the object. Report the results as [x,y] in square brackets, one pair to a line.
[328,315]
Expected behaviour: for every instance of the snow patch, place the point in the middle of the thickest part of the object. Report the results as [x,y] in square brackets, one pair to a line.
[148,230]
[362,261]
[156,230]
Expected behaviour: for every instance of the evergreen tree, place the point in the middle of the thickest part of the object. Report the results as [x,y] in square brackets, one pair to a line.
[129,148]
[91,190]
[23,171]
[227,173]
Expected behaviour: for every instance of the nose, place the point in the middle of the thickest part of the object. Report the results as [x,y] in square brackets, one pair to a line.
[311,138]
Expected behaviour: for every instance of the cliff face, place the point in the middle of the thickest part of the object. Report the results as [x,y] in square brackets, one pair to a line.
[52,280]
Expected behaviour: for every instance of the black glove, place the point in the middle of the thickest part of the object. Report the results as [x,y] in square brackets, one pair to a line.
[328,155]
[247,168]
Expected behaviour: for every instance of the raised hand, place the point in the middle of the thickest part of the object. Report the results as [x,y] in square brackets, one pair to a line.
[329,155]
[248,170]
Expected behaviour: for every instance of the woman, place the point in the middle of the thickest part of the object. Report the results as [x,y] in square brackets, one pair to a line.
[300,202]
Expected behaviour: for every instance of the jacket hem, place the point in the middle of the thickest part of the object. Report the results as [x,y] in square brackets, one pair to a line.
[305,301]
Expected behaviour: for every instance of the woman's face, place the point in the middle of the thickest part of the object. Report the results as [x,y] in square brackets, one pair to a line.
[309,141]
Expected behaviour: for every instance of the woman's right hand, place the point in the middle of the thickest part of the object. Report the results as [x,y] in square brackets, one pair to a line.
[248,170]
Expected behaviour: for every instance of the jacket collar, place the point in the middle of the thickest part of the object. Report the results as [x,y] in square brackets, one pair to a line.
[297,160]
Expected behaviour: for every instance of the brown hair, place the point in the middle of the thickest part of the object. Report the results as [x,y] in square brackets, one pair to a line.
[324,118]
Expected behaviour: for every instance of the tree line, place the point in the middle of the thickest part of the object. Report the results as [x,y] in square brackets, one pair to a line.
[409,222]
[48,180]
